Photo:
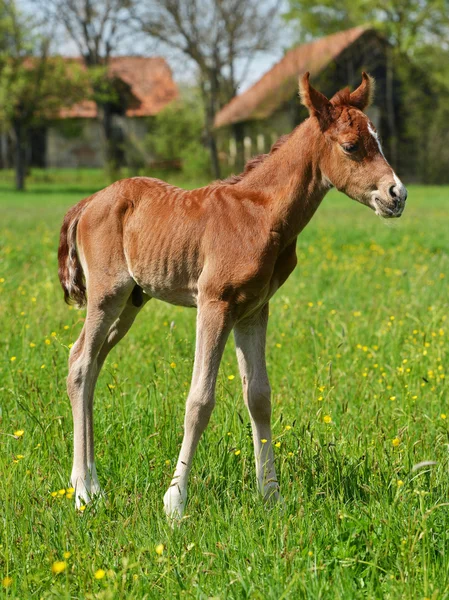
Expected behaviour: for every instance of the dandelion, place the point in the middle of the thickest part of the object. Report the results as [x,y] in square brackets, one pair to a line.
[357,313]
[111,386]
[32,345]
[310,553]
[58,566]
[13,358]
[278,345]
[231,377]
[400,483]
[42,366]
[67,555]
[54,494]
[237,452]
[7,582]
[160,549]
[327,419]
[396,441]
[47,342]
[263,441]
[61,492]
[277,445]
[82,508]
[53,334]
[66,327]
[99,574]
[443,416]
[288,427]
[19,433]
[392,397]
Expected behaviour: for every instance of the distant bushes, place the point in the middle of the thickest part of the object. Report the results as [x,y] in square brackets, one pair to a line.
[175,137]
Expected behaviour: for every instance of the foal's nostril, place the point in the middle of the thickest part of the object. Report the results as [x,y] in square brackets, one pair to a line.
[392,192]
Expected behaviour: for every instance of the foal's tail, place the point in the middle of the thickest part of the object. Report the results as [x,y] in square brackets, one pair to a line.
[70,270]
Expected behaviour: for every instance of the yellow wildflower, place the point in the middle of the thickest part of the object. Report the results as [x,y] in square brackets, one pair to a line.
[58,566]
[173,365]
[263,440]
[99,574]
[396,441]
[237,452]
[327,419]
[13,358]
[159,549]
[19,433]
[443,416]
[231,377]
[67,554]
[7,582]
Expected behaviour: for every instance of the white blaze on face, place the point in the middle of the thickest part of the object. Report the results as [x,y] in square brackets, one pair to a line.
[376,137]
[372,131]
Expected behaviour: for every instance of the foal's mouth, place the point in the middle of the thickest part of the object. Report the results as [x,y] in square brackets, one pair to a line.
[386,211]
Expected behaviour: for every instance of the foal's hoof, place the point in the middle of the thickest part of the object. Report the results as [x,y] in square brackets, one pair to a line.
[271,494]
[86,494]
[174,503]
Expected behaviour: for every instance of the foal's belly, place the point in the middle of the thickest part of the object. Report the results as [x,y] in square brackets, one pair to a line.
[174,290]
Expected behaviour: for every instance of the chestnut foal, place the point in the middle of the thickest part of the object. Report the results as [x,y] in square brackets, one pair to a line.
[225,248]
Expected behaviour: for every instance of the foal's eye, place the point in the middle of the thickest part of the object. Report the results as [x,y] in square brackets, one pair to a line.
[350,148]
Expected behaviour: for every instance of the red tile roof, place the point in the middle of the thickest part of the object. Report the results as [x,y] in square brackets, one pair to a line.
[280,83]
[150,81]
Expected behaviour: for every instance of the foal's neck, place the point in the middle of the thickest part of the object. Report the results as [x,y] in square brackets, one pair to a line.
[290,180]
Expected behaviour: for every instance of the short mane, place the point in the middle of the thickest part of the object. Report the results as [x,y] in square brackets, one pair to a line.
[255,162]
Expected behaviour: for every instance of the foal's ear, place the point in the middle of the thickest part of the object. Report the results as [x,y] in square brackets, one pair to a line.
[317,103]
[362,97]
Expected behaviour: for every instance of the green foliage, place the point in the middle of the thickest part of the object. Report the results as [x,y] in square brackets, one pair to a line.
[358,333]
[407,24]
[176,134]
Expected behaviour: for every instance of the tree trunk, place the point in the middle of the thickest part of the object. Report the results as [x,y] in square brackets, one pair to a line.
[209,91]
[239,133]
[391,117]
[20,154]
[111,153]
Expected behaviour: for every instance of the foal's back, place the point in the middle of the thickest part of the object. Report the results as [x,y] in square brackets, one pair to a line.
[166,238]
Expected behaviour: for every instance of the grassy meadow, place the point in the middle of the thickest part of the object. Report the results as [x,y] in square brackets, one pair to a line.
[358,357]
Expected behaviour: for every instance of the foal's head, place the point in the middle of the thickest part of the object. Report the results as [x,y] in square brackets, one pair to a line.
[352,159]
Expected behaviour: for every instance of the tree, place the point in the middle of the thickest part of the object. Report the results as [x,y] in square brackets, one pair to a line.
[97,28]
[33,85]
[408,24]
[220,37]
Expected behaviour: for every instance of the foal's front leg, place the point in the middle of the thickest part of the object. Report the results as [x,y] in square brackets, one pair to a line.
[250,336]
[214,322]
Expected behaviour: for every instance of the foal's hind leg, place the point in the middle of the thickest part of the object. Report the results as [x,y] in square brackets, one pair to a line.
[214,322]
[250,338]
[84,362]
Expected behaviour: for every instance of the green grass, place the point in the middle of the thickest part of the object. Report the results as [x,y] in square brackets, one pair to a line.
[359,333]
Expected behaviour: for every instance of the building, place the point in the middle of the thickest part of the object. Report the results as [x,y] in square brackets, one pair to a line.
[75,139]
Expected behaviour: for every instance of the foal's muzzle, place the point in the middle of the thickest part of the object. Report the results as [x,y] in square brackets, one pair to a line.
[389,202]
